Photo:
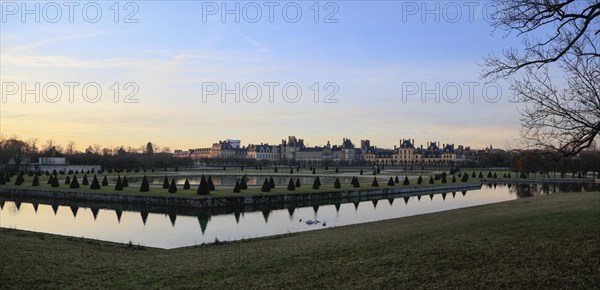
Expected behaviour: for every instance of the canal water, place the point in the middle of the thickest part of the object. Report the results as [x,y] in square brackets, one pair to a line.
[168,228]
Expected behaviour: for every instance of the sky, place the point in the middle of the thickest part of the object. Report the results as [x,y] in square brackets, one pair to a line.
[186,74]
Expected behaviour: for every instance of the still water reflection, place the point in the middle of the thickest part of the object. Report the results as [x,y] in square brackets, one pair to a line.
[170,228]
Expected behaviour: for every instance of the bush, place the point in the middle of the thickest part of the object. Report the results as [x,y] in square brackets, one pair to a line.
[68,180]
[186,184]
[431,180]
[336,183]
[356,183]
[444,180]
[397,180]
[297,183]
[125,182]
[203,187]
[453,179]
[473,175]
[119,185]
[55,182]
[266,187]
[104,181]
[420,180]
[361,171]
[36,181]
[391,182]
[374,183]
[166,183]
[291,186]
[523,175]
[237,188]
[314,171]
[407,182]
[317,183]
[495,175]
[211,185]
[145,187]
[243,184]
[95,184]
[84,180]
[172,186]
[20,179]
[465,178]
[271,182]
[489,175]
[74,182]
[480,174]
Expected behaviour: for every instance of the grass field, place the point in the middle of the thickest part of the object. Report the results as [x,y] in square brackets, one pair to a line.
[540,242]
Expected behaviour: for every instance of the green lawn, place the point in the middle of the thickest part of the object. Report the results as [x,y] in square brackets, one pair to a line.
[540,242]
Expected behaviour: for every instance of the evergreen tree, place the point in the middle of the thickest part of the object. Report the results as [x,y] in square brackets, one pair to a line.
[375,183]
[237,188]
[356,183]
[186,184]
[104,181]
[406,181]
[291,186]
[172,186]
[271,182]
[203,188]
[336,183]
[453,179]
[36,181]
[420,180]
[266,187]
[55,182]
[431,180]
[166,182]
[297,183]
[480,174]
[145,187]
[317,183]
[125,182]
[391,182]
[473,174]
[20,179]
[119,185]
[84,180]
[243,184]
[68,180]
[465,178]
[489,175]
[74,182]
[495,175]
[397,180]
[211,185]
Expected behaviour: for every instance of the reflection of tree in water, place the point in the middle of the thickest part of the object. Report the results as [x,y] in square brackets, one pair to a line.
[529,190]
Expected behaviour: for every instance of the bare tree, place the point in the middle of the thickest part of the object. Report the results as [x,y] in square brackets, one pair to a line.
[70,147]
[565,120]
[33,144]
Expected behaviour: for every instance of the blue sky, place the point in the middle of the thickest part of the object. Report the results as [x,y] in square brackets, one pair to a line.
[371,54]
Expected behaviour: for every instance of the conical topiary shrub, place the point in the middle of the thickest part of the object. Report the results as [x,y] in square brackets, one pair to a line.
[397,180]
[406,181]
[125,182]
[317,183]
[271,182]
[375,183]
[166,182]
[84,180]
[391,182]
[266,187]
[203,187]
[291,186]
[172,186]
[453,179]
[95,184]
[74,182]
[68,180]
[55,182]
[20,179]
[465,178]
[35,181]
[186,184]
[145,187]
[336,183]
[431,180]
[104,181]
[237,188]
[243,183]
[297,183]
[119,184]
[211,185]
